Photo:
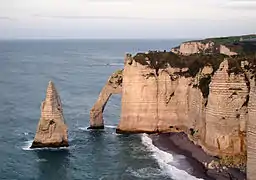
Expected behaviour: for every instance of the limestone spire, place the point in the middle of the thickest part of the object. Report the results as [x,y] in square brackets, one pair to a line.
[51,130]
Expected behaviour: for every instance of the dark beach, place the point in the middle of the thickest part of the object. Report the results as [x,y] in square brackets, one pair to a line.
[179,144]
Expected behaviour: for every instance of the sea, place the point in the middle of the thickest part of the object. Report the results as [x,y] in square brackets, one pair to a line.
[79,69]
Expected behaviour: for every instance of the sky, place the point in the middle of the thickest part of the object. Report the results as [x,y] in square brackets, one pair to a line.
[165,19]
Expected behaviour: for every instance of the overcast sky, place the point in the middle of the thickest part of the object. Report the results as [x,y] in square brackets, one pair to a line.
[126,18]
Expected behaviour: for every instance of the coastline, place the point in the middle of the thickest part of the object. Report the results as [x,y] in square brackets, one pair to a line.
[179,144]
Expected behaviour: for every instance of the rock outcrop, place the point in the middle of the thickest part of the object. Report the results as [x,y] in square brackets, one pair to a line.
[196,47]
[225,121]
[112,86]
[189,48]
[251,133]
[51,130]
[160,96]
[225,50]
[204,89]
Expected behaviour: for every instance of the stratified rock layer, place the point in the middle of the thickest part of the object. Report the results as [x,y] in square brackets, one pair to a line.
[188,48]
[210,106]
[139,98]
[51,130]
[251,134]
[204,88]
[225,122]
[113,86]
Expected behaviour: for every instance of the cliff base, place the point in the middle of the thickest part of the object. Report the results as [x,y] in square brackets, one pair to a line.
[204,165]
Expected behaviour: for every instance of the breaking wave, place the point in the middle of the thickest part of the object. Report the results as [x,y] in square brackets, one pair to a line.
[144,173]
[164,161]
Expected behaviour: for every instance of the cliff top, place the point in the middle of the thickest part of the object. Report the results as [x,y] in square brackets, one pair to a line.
[160,60]
[229,39]
[245,44]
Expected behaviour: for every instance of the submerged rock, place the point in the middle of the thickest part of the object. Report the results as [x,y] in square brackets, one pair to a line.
[51,130]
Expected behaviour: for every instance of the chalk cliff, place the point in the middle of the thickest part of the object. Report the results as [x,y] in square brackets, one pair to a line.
[188,48]
[205,89]
[251,133]
[212,104]
[193,47]
[51,130]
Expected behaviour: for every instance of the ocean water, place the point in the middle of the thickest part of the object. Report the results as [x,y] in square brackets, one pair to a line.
[79,69]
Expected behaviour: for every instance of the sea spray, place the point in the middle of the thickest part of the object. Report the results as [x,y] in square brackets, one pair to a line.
[164,161]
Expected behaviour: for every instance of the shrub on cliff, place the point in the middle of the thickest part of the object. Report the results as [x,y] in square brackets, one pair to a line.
[237,161]
[194,62]
[204,85]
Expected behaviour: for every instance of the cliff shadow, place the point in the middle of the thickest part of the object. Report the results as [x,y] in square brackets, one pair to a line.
[53,164]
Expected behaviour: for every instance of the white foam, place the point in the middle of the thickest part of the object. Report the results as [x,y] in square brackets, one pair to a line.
[41,160]
[110,126]
[83,128]
[164,161]
[144,173]
[28,144]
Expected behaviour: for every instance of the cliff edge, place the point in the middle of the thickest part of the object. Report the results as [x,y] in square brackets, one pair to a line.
[206,90]
[229,46]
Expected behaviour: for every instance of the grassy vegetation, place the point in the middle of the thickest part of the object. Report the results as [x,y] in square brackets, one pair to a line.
[193,132]
[240,44]
[230,39]
[238,161]
[117,77]
[119,71]
[194,62]
[226,40]
[235,64]
[204,85]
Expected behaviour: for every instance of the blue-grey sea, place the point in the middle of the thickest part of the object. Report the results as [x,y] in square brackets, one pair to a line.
[79,69]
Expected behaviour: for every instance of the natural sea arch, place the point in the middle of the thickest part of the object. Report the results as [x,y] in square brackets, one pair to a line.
[113,86]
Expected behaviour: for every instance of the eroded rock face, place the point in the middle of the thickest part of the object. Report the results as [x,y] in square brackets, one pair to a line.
[226,111]
[139,98]
[155,101]
[251,134]
[112,86]
[226,50]
[188,48]
[51,130]
[211,106]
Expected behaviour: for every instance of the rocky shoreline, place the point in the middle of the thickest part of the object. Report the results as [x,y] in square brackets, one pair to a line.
[202,163]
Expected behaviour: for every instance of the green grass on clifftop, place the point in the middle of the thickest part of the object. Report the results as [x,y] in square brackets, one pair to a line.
[194,62]
[227,40]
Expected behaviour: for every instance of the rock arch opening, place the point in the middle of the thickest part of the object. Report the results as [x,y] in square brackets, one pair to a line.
[112,86]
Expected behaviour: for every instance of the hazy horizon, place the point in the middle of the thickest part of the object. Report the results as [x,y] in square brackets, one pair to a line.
[126,19]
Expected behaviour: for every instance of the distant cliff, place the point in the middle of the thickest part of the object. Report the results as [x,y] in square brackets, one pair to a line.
[208,94]
[226,45]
